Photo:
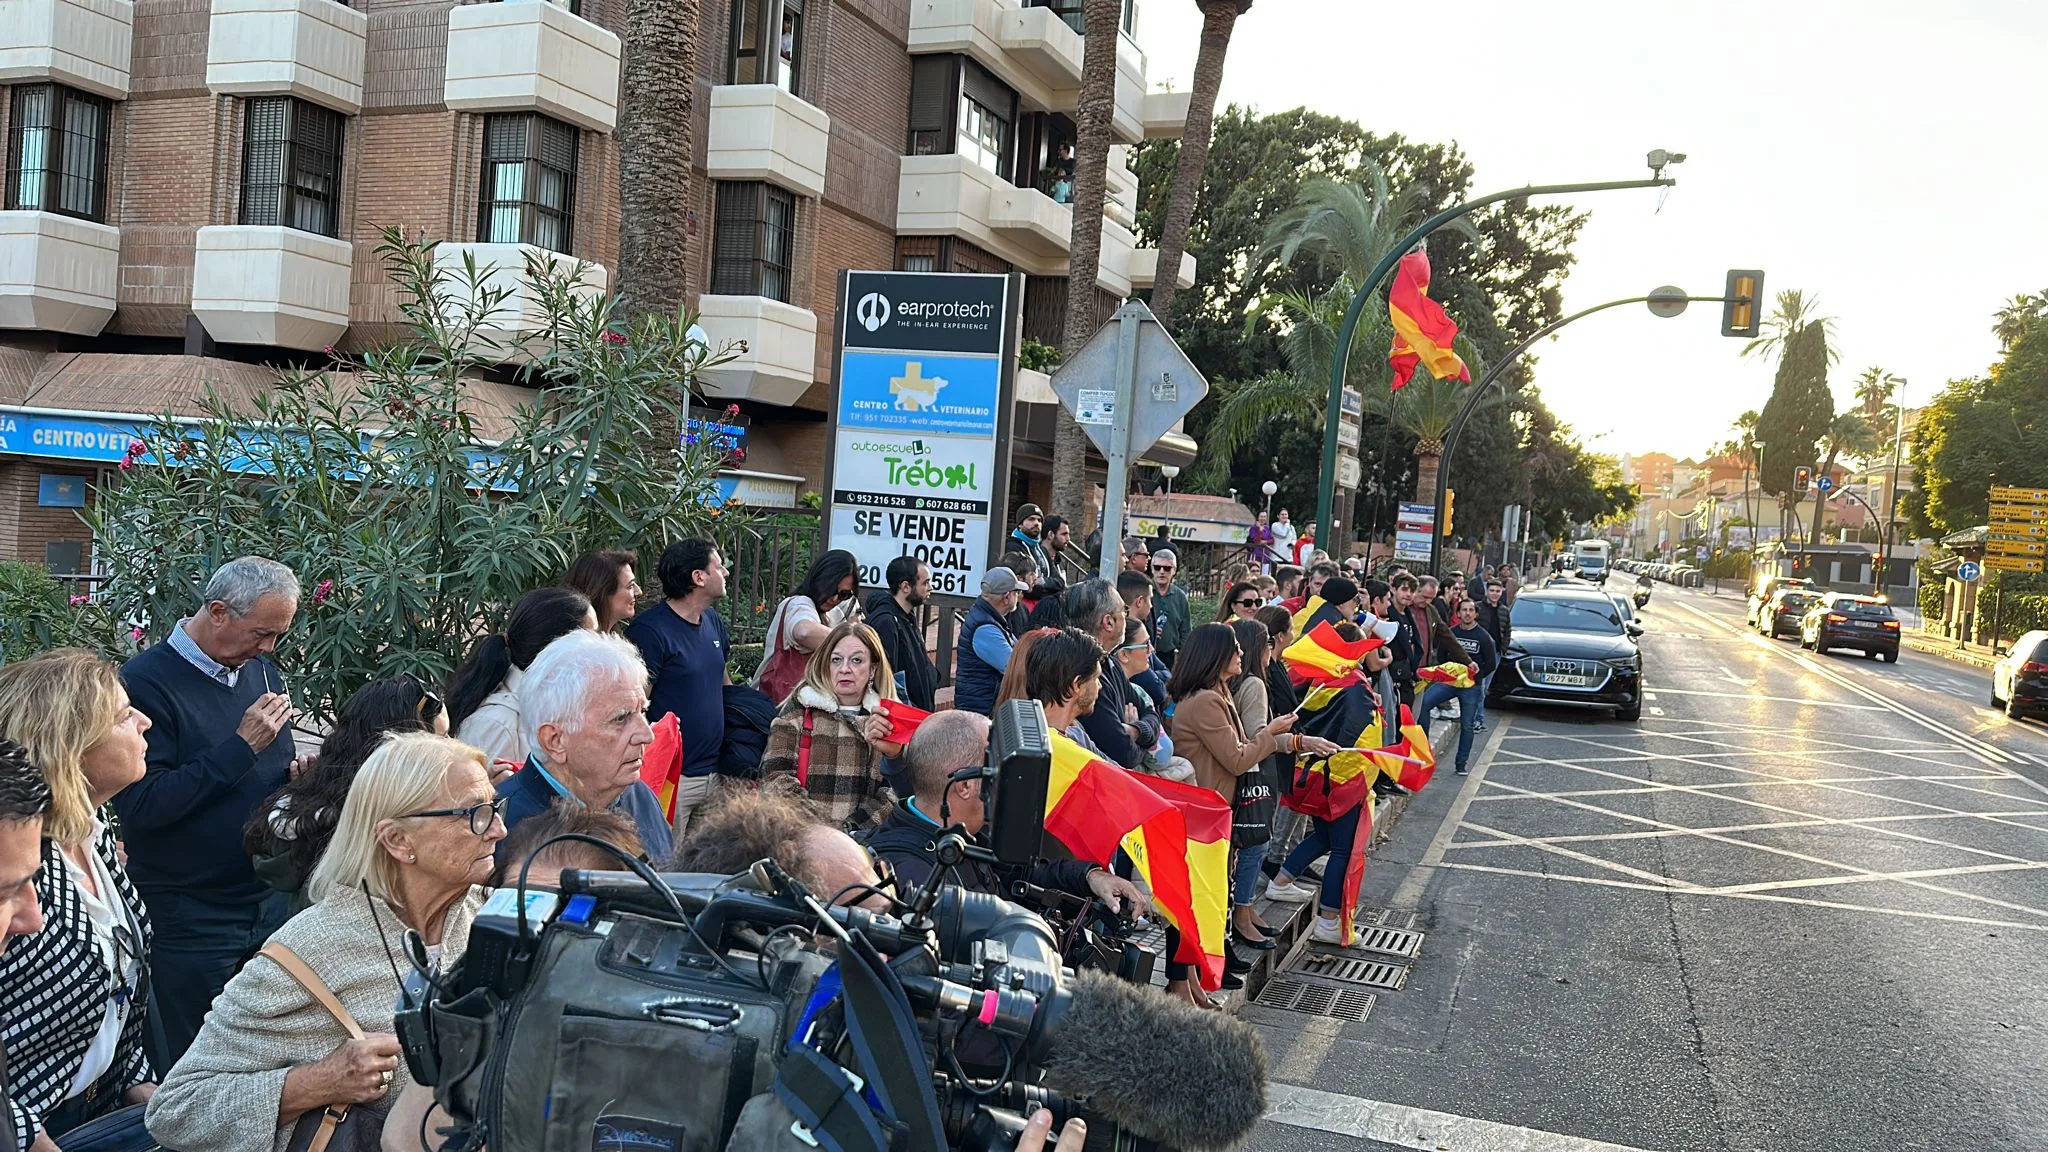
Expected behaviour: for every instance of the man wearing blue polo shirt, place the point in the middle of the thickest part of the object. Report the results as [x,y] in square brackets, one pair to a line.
[685,644]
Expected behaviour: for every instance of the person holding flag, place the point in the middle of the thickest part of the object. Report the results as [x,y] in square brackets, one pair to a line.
[832,734]
[1481,659]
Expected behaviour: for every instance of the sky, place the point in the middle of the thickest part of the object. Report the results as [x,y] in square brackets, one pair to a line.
[1886,157]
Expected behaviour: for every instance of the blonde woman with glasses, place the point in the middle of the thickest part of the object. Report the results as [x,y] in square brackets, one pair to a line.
[74,997]
[830,737]
[413,845]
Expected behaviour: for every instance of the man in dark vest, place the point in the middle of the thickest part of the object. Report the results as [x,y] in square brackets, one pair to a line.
[985,642]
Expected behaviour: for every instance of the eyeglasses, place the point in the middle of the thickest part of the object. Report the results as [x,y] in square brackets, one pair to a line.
[1140,646]
[480,816]
[1162,567]
[1249,602]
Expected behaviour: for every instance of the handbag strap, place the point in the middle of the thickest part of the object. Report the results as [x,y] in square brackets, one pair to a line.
[803,751]
[332,1116]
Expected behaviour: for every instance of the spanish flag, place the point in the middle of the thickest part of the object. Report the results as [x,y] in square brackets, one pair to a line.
[1423,332]
[661,766]
[1321,657]
[903,720]
[1453,673]
[1177,834]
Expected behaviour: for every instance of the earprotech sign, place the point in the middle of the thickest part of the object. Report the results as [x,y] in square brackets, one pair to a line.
[914,452]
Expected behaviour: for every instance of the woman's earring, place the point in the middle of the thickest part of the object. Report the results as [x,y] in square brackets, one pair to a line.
[412,858]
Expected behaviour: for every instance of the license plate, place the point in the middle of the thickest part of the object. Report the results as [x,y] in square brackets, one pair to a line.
[1564,681]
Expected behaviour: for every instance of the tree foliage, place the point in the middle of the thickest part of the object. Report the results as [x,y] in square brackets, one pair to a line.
[408,537]
[1981,431]
[1796,417]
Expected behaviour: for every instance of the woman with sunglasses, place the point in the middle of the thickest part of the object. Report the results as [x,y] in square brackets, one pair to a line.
[803,620]
[1242,602]
[290,830]
[414,842]
[74,997]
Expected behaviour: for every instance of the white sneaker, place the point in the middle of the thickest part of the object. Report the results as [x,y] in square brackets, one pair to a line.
[1450,711]
[1292,892]
[1327,931]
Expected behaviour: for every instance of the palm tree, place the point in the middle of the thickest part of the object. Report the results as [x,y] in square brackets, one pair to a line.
[1084,251]
[1219,18]
[1795,311]
[1874,388]
[2019,313]
[1346,228]
[1850,435]
[656,146]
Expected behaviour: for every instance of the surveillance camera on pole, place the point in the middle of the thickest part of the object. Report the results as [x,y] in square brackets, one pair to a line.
[1660,158]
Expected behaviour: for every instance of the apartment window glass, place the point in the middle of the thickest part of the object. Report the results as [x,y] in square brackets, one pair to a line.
[57,151]
[753,240]
[791,46]
[745,49]
[987,108]
[291,165]
[529,193]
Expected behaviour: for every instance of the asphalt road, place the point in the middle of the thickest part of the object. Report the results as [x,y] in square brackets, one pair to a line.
[1801,906]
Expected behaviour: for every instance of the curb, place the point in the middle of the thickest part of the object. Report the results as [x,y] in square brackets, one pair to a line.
[1948,650]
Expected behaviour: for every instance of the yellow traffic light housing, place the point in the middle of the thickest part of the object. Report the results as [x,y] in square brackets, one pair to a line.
[1450,500]
[1742,303]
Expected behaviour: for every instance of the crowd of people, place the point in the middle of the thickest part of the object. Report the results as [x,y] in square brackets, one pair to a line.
[202,918]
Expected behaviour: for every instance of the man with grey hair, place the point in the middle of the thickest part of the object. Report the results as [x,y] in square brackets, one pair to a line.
[1172,619]
[219,742]
[1114,724]
[944,744]
[583,701]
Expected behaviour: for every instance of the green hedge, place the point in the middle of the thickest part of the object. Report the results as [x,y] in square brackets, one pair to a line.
[37,614]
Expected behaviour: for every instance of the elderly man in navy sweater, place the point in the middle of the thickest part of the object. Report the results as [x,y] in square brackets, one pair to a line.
[219,742]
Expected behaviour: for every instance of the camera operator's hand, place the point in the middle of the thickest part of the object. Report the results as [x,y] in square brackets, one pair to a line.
[1122,896]
[1039,1126]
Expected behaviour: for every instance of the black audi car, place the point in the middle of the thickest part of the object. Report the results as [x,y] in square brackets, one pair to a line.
[1570,646]
[1843,620]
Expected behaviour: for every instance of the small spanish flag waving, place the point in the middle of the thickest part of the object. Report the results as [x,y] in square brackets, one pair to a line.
[1423,331]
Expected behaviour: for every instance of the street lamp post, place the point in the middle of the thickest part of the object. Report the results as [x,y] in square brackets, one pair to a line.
[1269,487]
[1168,471]
[1663,302]
[1891,506]
[1326,493]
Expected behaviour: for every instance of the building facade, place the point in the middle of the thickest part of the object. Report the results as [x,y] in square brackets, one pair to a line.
[195,191]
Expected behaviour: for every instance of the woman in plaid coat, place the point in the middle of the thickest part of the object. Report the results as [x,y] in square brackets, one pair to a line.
[830,738]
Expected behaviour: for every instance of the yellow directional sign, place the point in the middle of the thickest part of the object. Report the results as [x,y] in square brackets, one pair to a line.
[2017,513]
[2014,564]
[1998,547]
[2037,530]
[2020,495]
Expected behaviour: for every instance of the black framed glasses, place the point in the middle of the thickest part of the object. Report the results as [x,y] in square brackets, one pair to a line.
[1247,602]
[480,816]
[1162,567]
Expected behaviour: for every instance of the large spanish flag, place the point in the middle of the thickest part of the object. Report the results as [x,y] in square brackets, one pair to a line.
[1177,834]
[1423,331]
[1321,657]
[661,765]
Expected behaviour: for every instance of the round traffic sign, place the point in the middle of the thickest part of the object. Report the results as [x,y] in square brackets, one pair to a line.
[1824,483]
[1969,571]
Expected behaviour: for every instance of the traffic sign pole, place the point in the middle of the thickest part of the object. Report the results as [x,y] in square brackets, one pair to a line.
[1117,483]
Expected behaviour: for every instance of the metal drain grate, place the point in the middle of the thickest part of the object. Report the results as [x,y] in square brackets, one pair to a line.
[1388,941]
[1312,999]
[1384,918]
[1372,973]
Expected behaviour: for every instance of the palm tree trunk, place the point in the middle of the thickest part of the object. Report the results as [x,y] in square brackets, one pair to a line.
[1091,170]
[1426,466]
[655,147]
[1219,18]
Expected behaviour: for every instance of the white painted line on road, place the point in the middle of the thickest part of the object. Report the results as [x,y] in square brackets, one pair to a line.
[1921,874]
[1768,897]
[1656,711]
[1670,833]
[1773,699]
[1406,1126]
[1409,894]
[1509,839]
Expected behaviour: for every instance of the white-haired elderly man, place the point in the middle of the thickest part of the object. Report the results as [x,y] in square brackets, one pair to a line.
[583,701]
[219,742]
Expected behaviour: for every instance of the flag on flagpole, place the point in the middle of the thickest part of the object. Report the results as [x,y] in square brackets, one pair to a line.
[1423,331]
[1177,834]
[661,766]
[1321,657]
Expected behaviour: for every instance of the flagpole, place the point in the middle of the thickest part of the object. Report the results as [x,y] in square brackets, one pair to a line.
[1326,495]
[1443,470]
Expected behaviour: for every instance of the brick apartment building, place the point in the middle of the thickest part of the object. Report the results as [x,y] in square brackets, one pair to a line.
[194,192]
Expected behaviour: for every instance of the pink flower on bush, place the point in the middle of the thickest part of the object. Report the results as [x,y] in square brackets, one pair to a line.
[127,463]
[322,592]
[732,409]
[137,447]
[614,337]
[77,600]
[135,634]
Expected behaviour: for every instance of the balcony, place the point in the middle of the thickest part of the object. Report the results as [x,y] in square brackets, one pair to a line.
[57,274]
[760,132]
[530,55]
[269,285]
[312,49]
[1142,265]
[1030,49]
[780,348]
[1165,114]
[1121,201]
[83,43]
[952,196]
[513,325]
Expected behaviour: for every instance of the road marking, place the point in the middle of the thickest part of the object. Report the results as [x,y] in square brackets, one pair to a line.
[1318,1035]
[1774,699]
[1409,894]
[1509,839]
[1666,833]
[1656,711]
[1409,1127]
[1920,874]
[1769,897]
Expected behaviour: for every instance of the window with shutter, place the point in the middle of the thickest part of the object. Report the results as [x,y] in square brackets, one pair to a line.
[529,182]
[933,84]
[753,241]
[291,165]
[57,151]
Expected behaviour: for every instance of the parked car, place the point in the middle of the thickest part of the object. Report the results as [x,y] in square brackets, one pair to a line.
[2019,683]
[1784,612]
[1846,620]
[1570,646]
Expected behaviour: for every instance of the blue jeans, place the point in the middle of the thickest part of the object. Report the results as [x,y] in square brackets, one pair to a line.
[1333,837]
[1244,878]
[1469,700]
[1485,686]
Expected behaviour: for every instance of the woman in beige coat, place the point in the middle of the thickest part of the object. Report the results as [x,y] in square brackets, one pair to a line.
[415,839]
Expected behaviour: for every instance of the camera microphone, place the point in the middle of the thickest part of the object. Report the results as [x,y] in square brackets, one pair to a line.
[1163,1069]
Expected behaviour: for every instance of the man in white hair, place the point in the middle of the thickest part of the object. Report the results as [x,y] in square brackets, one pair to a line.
[583,701]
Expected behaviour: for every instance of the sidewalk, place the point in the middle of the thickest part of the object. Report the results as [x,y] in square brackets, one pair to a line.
[1976,655]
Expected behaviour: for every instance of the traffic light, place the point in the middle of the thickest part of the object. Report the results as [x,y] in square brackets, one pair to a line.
[1450,499]
[1742,303]
[1802,479]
